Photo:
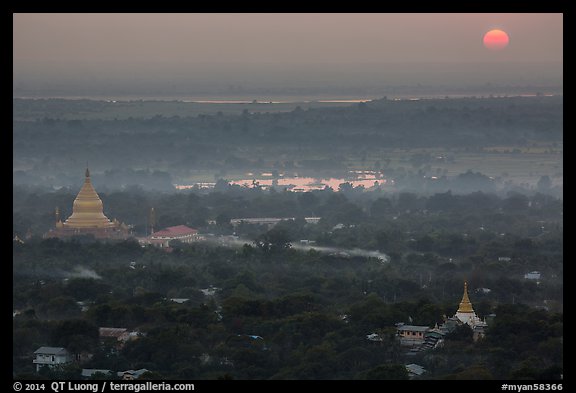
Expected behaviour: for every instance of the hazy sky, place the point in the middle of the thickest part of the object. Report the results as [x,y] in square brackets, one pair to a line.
[149,45]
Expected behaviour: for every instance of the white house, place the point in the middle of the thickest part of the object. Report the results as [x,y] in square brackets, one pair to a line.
[51,357]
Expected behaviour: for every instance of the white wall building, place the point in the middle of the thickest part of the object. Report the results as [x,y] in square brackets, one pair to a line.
[51,357]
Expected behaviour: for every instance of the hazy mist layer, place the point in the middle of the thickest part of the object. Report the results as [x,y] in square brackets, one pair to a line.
[239,80]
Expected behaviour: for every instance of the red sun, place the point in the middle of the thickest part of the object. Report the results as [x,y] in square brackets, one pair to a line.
[496,39]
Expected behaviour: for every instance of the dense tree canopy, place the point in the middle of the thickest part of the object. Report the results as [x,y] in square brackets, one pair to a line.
[270,306]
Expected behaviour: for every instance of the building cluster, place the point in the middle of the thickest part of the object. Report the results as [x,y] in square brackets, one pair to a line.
[88,218]
[421,338]
[270,222]
[59,357]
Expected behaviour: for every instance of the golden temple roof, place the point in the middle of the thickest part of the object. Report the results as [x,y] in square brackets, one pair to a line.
[87,211]
[465,305]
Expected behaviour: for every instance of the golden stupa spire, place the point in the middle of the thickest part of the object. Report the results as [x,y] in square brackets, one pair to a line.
[87,211]
[465,305]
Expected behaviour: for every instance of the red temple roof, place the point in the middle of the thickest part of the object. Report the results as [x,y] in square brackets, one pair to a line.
[179,230]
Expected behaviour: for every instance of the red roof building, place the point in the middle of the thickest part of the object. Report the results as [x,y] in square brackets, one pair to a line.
[163,237]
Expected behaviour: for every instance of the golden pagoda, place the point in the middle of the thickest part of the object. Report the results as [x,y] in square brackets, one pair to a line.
[465,305]
[88,217]
[88,211]
[465,311]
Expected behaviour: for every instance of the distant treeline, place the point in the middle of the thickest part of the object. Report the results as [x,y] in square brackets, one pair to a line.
[208,141]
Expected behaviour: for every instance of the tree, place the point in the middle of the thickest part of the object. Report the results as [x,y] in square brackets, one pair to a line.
[273,241]
[61,307]
[516,203]
[223,219]
[544,184]
[381,208]
[472,373]
[86,288]
[345,188]
[100,376]
[387,372]
[308,202]
[408,201]
[462,333]
[151,375]
[442,201]
[78,334]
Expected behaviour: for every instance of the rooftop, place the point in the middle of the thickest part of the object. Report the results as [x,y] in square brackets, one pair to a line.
[51,351]
[415,369]
[178,230]
[135,373]
[88,372]
[179,300]
[374,337]
[413,328]
[111,332]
